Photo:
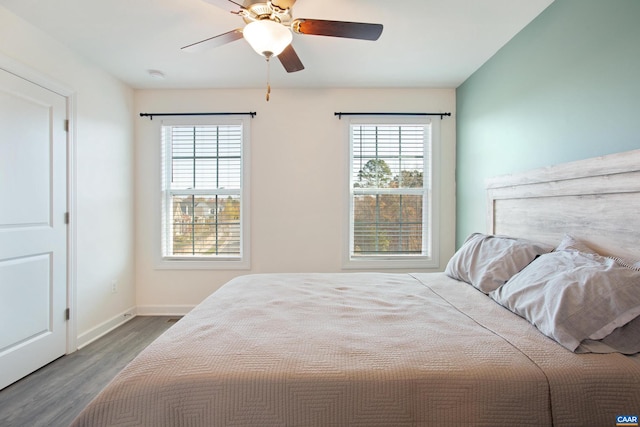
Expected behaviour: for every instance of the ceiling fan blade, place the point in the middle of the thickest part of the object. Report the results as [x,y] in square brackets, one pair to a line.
[214,41]
[350,30]
[235,6]
[283,4]
[228,5]
[290,60]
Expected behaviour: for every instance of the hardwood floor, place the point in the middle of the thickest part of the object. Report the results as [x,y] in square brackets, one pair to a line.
[55,394]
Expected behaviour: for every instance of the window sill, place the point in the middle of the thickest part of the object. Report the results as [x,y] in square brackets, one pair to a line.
[381,263]
[201,264]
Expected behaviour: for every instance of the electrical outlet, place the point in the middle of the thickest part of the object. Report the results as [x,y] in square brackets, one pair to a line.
[114,286]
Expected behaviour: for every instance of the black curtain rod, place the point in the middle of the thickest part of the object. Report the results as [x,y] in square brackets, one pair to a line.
[393,114]
[151,115]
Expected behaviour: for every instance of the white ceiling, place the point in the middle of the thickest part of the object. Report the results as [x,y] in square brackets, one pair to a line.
[425,43]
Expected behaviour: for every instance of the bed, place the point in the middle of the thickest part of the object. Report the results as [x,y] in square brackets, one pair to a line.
[380,349]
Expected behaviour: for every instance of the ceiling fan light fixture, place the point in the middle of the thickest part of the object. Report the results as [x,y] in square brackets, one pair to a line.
[266,37]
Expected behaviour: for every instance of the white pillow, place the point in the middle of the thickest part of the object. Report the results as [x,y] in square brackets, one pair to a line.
[487,261]
[572,296]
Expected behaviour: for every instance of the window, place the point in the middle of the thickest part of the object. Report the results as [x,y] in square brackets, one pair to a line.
[391,194]
[203,186]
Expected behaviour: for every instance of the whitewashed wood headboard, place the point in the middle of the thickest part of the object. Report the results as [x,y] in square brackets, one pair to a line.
[597,200]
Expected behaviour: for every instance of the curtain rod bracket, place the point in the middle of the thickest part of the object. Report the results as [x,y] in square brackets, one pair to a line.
[151,115]
[442,115]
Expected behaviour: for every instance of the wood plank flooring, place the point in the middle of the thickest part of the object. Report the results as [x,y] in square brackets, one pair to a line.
[55,394]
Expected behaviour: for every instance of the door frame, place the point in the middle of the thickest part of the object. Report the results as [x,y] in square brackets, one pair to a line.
[27,73]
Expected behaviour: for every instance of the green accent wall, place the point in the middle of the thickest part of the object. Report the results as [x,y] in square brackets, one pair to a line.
[567,87]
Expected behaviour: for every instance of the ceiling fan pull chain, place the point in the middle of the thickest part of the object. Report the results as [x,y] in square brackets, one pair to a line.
[268,78]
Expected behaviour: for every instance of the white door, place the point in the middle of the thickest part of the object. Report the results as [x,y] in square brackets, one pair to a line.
[33,233]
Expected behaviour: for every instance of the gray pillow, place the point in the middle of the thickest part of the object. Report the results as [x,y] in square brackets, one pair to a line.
[487,261]
[570,243]
[625,340]
[572,296]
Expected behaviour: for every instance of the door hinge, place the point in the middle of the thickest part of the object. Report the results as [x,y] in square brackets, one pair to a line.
[67,314]
[66,125]
[66,217]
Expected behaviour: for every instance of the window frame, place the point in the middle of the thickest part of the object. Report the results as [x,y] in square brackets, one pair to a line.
[430,207]
[241,262]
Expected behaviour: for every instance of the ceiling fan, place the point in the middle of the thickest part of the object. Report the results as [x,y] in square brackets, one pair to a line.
[270,26]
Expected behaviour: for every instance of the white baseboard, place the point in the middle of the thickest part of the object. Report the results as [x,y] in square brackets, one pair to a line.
[105,327]
[122,318]
[163,310]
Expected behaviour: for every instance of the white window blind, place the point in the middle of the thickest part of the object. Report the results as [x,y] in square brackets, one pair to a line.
[390,191]
[202,188]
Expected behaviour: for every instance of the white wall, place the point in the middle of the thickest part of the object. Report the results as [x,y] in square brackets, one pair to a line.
[103,173]
[298,176]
